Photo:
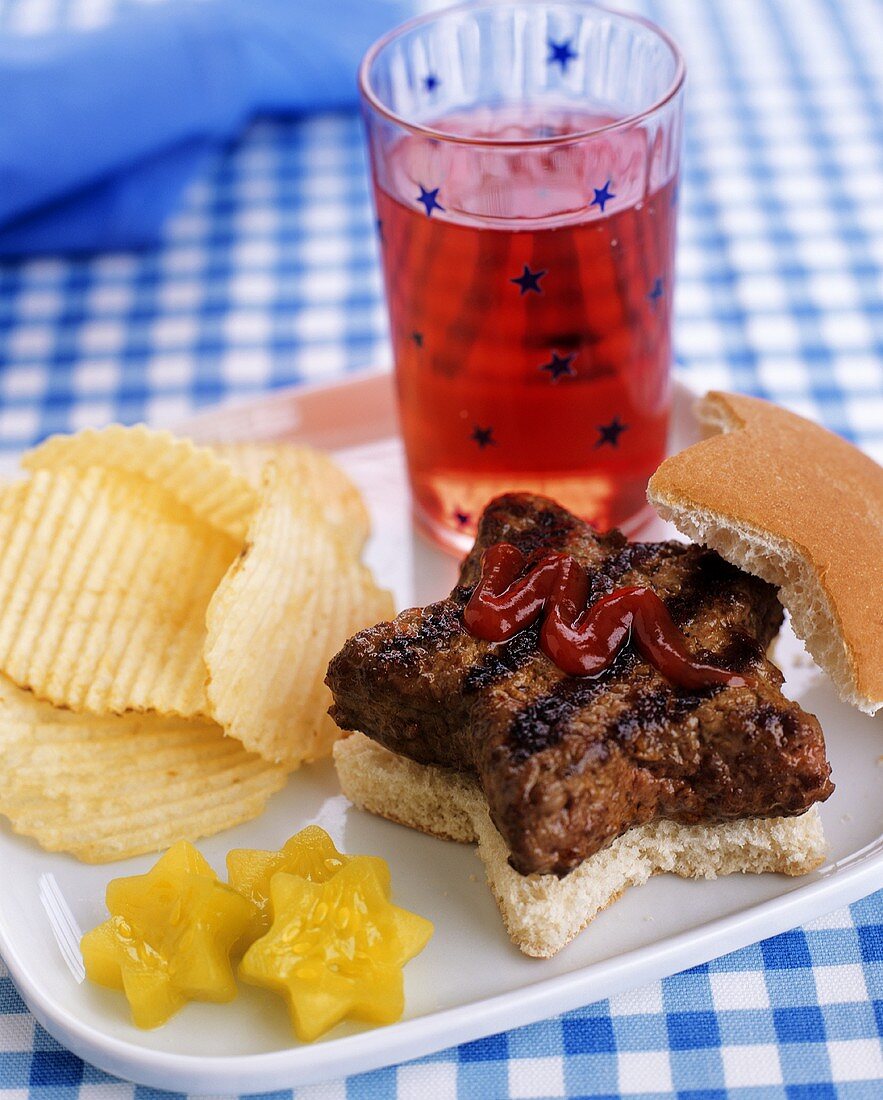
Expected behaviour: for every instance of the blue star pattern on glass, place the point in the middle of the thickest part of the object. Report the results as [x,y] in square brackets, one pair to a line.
[560,366]
[657,291]
[430,82]
[610,433]
[561,53]
[484,437]
[429,198]
[603,195]
[529,280]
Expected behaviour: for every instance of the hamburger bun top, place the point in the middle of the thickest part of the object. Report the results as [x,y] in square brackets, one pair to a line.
[797,505]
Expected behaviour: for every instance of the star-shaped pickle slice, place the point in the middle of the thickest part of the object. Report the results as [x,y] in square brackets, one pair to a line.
[335,949]
[169,936]
[311,854]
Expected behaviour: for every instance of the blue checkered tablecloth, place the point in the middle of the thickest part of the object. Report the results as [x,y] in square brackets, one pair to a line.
[269,276]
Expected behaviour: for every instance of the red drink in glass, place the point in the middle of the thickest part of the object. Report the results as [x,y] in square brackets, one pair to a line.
[528,259]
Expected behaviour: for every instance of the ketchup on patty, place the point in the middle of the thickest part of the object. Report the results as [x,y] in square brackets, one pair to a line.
[581,640]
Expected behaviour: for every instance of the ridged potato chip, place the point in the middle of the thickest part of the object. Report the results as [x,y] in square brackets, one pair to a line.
[311,471]
[105,579]
[113,787]
[289,602]
[195,476]
[370,604]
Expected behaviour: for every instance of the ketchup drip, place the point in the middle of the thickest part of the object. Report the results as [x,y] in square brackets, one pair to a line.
[581,640]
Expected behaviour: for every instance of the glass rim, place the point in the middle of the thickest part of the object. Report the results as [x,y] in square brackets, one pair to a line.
[371,98]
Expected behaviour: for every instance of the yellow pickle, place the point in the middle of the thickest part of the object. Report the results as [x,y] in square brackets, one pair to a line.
[335,949]
[311,854]
[169,936]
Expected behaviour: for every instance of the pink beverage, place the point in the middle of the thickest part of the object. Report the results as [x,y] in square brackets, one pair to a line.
[528,256]
[531,357]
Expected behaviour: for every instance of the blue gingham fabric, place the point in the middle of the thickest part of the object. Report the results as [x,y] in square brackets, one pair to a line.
[268,276]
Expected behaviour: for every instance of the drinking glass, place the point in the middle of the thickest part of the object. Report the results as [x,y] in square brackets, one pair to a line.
[525,158]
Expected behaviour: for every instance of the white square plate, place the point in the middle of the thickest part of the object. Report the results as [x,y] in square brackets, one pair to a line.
[470,981]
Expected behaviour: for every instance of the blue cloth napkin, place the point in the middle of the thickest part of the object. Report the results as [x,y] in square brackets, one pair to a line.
[101,130]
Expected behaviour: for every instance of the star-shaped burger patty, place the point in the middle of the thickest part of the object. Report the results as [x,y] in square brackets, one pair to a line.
[570,763]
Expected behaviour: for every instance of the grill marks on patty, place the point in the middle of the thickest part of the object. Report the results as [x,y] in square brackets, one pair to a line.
[502,661]
[431,629]
[567,763]
[544,722]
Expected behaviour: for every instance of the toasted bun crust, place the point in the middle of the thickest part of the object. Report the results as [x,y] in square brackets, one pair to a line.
[797,505]
[543,913]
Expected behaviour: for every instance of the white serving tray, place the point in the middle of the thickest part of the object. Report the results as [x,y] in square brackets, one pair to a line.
[470,981]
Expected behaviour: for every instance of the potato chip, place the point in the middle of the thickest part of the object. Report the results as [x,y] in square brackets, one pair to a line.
[282,611]
[311,471]
[195,476]
[372,605]
[105,579]
[113,787]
